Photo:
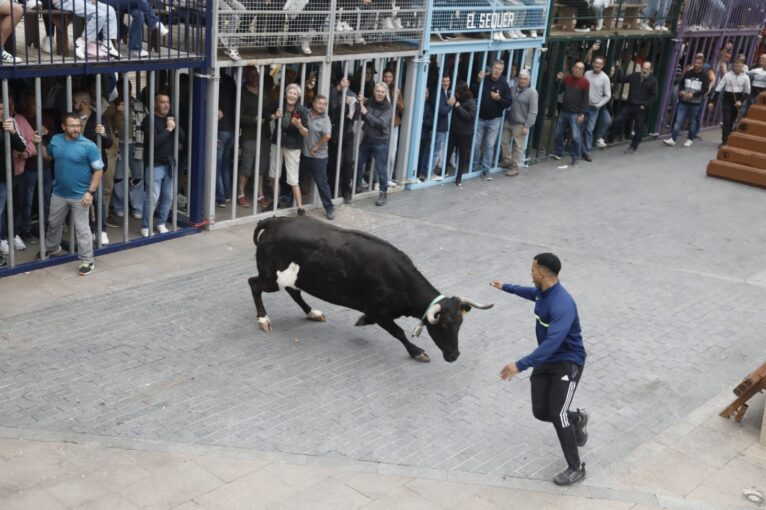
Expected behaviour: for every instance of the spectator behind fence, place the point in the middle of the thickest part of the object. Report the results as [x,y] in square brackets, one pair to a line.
[733,90]
[17,144]
[291,123]
[576,94]
[24,180]
[518,121]
[599,95]
[256,153]
[48,130]
[396,97]
[440,104]
[642,94]
[461,130]
[314,153]
[339,95]
[494,96]
[10,15]
[100,20]
[581,6]
[78,173]
[757,77]
[158,191]
[376,118]
[141,12]
[691,92]
[227,93]
[657,9]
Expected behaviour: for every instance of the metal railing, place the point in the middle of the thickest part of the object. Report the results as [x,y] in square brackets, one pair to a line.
[465,17]
[65,32]
[620,16]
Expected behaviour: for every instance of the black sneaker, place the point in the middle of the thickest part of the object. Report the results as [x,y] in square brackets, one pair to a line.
[581,430]
[587,158]
[301,211]
[630,150]
[330,214]
[49,253]
[85,268]
[3,262]
[570,476]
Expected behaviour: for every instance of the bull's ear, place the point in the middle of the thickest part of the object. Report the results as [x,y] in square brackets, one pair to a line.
[464,308]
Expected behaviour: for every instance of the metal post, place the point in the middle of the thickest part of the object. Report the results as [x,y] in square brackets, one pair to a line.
[341,131]
[278,146]
[235,158]
[127,116]
[40,174]
[150,184]
[176,141]
[8,179]
[188,142]
[257,191]
[100,193]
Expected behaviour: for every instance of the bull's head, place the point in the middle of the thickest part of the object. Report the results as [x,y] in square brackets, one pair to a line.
[443,320]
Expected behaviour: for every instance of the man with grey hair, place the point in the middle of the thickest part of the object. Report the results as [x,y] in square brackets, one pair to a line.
[599,95]
[519,119]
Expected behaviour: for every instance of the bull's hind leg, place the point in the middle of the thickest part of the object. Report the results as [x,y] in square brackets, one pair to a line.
[414,351]
[314,315]
[259,285]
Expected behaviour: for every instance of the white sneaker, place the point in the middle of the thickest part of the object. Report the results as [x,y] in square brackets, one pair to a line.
[18,244]
[599,24]
[181,201]
[144,232]
[104,238]
[162,28]
[392,184]
[520,34]
[10,59]
[533,33]
[79,47]
[46,43]
[688,143]
[137,214]
[111,49]
[233,53]
[661,29]
[398,24]
[498,36]
[511,34]
[669,142]
[601,143]
[388,24]
[305,46]
[142,53]
[358,39]
[645,26]
[162,229]
[4,247]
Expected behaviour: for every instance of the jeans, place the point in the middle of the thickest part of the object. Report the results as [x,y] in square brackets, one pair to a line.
[441,136]
[657,9]
[591,118]
[3,200]
[59,208]
[637,115]
[223,166]
[162,194]
[318,169]
[141,12]
[99,17]
[135,187]
[568,120]
[379,152]
[23,207]
[684,111]
[486,138]
[729,113]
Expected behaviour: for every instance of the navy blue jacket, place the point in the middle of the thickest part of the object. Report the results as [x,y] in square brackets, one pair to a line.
[442,117]
[557,329]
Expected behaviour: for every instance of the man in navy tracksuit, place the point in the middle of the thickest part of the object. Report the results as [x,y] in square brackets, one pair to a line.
[557,362]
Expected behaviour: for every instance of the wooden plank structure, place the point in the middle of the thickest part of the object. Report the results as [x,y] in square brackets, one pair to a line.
[743,158]
[752,385]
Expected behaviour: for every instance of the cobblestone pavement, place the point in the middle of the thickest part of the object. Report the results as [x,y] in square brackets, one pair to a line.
[667,266]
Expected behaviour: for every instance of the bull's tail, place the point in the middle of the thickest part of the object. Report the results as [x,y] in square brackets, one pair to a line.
[260,227]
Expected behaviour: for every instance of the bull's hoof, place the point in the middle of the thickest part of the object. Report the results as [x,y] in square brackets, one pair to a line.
[316,315]
[422,357]
[364,321]
[265,324]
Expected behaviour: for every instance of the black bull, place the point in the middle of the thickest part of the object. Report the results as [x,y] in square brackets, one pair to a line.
[355,270]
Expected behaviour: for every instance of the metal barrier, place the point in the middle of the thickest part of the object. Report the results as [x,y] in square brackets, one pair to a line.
[626,54]
[496,19]
[259,168]
[249,30]
[624,17]
[120,208]
[53,33]
[712,15]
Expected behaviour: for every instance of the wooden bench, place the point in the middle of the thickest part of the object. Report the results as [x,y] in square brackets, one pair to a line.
[752,385]
[60,20]
[565,17]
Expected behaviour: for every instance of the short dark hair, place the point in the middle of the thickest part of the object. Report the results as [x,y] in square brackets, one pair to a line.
[71,115]
[318,97]
[549,261]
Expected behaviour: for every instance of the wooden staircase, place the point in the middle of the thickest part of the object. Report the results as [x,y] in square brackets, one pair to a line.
[743,158]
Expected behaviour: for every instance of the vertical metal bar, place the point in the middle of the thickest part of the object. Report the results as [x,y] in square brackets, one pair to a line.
[278,159]
[357,130]
[235,157]
[8,179]
[189,141]
[472,167]
[436,100]
[499,141]
[127,116]
[100,193]
[150,184]
[394,141]
[176,142]
[341,131]
[257,191]
[40,172]
[69,109]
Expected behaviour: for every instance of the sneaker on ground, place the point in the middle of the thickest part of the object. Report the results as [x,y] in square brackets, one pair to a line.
[29,239]
[104,238]
[10,59]
[111,49]
[163,29]
[142,53]
[119,214]
[601,143]
[498,36]
[669,142]
[50,253]
[646,27]
[582,29]
[220,205]
[581,428]
[358,39]
[330,214]
[86,268]
[533,33]
[162,229]
[570,476]
[4,249]
[137,214]
[242,201]
[46,43]
[512,172]
[511,34]
[486,177]
[144,232]
[398,24]
[388,24]
[305,46]
[233,53]
[18,244]
[688,143]
[392,184]
[520,34]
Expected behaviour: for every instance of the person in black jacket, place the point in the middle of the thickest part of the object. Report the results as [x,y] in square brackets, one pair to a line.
[463,118]
[342,102]
[376,117]
[643,92]
[427,129]
[158,191]
[494,95]
[17,144]
[691,92]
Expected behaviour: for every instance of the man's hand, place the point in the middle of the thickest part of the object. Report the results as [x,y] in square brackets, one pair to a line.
[314,150]
[100,130]
[9,126]
[495,95]
[524,130]
[37,139]
[452,101]
[170,123]
[508,371]
[496,284]
[482,74]
[581,118]
[738,104]
[220,114]
[296,121]
[278,113]
[559,76]
[710,106]
[87,199]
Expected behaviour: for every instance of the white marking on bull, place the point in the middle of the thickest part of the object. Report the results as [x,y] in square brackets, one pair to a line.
[288,277]
[258,237]
[265,323]
[316,315]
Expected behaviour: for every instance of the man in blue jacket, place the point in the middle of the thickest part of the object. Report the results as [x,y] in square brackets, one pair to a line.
[557,362]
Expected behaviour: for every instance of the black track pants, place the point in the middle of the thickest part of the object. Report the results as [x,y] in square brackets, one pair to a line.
[553,388]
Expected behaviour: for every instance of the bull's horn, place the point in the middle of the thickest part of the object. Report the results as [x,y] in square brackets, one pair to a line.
[471,302]
[431,313]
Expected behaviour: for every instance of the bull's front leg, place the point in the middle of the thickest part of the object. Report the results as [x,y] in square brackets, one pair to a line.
[414,351]
[259,285]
